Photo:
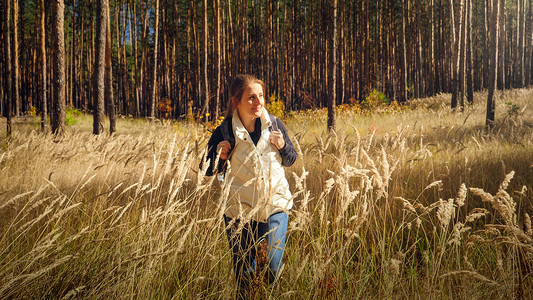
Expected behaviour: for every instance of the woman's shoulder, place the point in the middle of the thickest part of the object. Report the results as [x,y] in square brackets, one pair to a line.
[224,130]
[277,120]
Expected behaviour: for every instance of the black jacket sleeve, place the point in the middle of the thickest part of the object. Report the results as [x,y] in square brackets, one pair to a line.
[288,152]
[221,133]
[216,138]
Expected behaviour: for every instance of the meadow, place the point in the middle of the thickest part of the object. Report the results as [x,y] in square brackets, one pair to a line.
[409,202]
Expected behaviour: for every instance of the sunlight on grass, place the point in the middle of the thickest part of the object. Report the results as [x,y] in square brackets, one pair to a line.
[415,202]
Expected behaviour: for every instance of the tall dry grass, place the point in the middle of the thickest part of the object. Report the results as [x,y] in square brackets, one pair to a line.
[417,203]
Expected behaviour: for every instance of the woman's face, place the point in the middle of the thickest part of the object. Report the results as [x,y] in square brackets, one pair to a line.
[252,102]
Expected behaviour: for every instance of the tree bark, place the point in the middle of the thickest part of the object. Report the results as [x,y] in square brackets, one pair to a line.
[206,79]
[332,66]
[108,77]
[495,34]
[154,63]
[9,81]
[135,59]
[125,89]
[90,62]
[42,48]
[457,51]
[120,63]
[432,63]
[99,67]
[79,80]
[486,61]
[469,66]
[522,43]
[16,61]
[530,71]
[502,72]
[403,64]
[216,13]
[72,65]
[419,53]
[462,55]
[142,91]
[58,120]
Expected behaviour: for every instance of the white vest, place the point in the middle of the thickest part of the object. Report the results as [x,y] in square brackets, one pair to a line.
[258,184]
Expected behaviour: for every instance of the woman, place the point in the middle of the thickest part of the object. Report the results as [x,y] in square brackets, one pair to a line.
[252,147]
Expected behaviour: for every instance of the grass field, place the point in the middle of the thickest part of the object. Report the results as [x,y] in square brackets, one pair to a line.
[413,202]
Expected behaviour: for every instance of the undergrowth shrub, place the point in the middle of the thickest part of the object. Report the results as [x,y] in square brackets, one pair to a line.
[275,106]
[71,117]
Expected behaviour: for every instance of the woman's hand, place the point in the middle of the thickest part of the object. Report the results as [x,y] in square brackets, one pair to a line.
[276,139]
[223,148]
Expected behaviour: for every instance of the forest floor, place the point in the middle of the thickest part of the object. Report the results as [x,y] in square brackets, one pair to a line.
[416,201]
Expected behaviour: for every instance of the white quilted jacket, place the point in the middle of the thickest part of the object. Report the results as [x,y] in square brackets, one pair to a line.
[258,184]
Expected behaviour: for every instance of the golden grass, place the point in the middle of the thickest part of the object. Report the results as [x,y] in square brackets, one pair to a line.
[418,203]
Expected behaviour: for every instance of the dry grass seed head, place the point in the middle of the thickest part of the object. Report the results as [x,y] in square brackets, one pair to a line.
[527,225]
[445,212]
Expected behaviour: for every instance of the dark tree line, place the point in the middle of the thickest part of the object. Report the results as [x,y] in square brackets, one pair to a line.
[175,58]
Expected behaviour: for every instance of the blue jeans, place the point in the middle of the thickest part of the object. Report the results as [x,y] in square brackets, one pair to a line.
[256,246]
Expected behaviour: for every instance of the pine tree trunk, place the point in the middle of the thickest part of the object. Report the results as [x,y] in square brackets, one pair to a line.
[154,63]
[24,70]
[486,60]
[58,120]
[120,63]
[502,78]
[433,63]
[108,77]
[403,64]
[9,80]
[16,64]
[90,62]
[457,51]
[216,12]
[125,88]
[141,83]
[76,59]
[99,67]
[469,64]
[188,75]
[494,43]
[72,66]
[366,48]
[165,62]
[198,59]
[42,48]
[205,50]
[419,53]
[332,65]
[133,29]
[530,14]
[3,69]
[79,79]
[524,49]
[462,56]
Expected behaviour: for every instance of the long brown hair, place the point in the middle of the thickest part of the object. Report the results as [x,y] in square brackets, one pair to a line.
[238,85]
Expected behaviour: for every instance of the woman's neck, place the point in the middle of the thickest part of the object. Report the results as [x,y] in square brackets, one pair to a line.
[248,123]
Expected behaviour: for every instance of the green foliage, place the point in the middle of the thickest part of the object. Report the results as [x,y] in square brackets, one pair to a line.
[375,99]
[275,106]
[513,110]
[70,118]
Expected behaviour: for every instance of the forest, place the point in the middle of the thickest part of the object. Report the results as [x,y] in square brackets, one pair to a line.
[175,59]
